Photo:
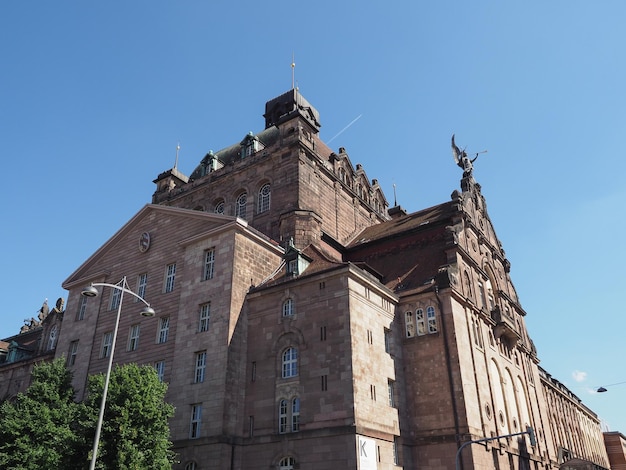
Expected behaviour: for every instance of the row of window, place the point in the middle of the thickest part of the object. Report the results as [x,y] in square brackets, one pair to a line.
[241,203]
[418,324]
[208,272]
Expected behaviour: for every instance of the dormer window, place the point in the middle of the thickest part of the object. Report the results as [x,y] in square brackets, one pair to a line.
[250,145]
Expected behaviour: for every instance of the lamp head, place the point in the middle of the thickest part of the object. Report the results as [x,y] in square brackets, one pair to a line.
[89,291]
[601,390]
[148,311]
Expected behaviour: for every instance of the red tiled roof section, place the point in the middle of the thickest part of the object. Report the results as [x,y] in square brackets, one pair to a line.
[409,250]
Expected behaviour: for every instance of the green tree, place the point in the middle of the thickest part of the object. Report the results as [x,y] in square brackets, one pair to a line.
[135,432]
[44,427]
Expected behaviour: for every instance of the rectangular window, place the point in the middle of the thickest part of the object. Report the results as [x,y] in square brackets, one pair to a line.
[133,338]
[116,295]
[107,341]
[159,366]
[80,315]
[164,329]
[71,355]
[282,416]
[390,388]
[142,283]
[373,392]
[200,367]
[324,383]
[205,314]
[322,333]
[196,420]
[170,275]
[387,341]
[370,337]
[209,264]
[295,415]
[396,456]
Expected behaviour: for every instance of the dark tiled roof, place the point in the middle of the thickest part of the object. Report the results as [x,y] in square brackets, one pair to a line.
[408,251]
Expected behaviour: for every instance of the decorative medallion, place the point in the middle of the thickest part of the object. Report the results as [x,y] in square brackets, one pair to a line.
[144,242]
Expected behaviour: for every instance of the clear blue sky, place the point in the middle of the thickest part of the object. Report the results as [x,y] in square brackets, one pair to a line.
[96,95]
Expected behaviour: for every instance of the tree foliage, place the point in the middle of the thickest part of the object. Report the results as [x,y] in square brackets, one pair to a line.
[46,428]
[135,432]
[43,427]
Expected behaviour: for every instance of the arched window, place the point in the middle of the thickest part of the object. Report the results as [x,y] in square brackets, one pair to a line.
[421,323]
[290,363]
[289,415]
[240,205]
[219,207]
[264,198]
[282,416]
[191,466]
[287,463]
[409,324]
[52,339]
[288,309]
[432,319]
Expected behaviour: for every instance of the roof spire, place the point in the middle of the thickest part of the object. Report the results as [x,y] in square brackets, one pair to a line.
[176,161]
[293,71]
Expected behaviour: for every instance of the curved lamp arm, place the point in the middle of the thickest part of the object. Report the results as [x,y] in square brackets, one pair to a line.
[91,291]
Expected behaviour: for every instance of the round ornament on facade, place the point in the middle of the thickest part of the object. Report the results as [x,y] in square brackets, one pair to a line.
[144,242]
[488,411]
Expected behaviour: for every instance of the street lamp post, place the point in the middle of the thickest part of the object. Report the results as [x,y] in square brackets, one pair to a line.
[529,430]
[147,311]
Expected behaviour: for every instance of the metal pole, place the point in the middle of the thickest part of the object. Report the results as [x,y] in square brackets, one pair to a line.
[96,439]
[529,431]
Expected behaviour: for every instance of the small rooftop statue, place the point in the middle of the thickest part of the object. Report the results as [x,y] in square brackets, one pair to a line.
[461,159]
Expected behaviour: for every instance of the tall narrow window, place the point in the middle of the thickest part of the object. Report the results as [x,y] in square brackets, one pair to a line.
[116,295]
[107,341]
[80,315]
[421,323]
[133,338]
[205,315]
[209,264]
[52,338]
[142,283]
[282,416]
[290,363]
[159,366]
[391,393]
[387,337]
[295,415]
[72,353]
[240,206]
[288,309]
[432,319]
[481,293]
[196,420]
[164,329]
[264,198]
[409,324]
[396,456]
[200,367]
[170,276]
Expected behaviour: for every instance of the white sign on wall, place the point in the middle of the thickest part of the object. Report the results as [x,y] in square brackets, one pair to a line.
[366,452]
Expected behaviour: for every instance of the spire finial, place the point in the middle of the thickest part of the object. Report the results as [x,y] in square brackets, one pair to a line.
[177,150]
[293,71]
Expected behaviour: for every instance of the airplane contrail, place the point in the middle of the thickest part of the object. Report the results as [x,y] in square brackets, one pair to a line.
[344,129]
